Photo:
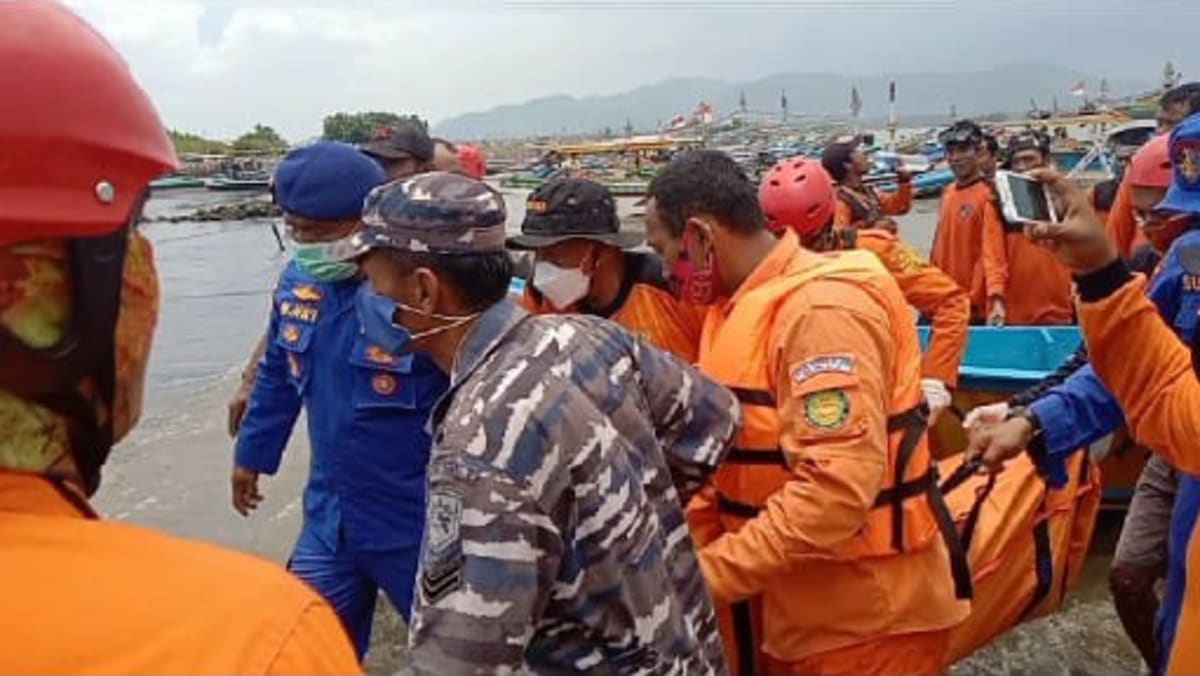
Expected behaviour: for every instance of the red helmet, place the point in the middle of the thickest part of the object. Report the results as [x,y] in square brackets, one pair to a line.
[79,140]
[474,164]
[1151,164]
[797,193]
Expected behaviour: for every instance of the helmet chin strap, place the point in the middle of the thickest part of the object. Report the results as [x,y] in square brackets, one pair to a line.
[54,377]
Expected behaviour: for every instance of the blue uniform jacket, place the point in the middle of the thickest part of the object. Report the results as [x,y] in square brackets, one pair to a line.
[1081,410]
[366,409]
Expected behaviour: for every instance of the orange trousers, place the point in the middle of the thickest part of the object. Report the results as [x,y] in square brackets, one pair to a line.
[899,655]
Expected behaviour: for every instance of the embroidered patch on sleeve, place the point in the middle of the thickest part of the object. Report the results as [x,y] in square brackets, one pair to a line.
[441,564]
[826,363]
[827,409]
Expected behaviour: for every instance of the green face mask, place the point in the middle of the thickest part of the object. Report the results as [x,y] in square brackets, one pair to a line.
[317,259]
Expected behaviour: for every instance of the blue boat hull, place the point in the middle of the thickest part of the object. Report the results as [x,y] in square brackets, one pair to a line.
[1012,358]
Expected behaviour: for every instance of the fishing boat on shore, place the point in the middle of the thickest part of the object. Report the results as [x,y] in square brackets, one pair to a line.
[1000,362]
[624,165]
[244,182]
[928,178]
[176,182]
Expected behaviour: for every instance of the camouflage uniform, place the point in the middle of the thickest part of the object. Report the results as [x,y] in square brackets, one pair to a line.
[562,453]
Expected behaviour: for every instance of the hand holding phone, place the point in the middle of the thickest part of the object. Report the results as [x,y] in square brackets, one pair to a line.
[1024,199]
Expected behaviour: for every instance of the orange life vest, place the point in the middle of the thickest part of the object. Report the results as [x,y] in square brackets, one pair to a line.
[909,512]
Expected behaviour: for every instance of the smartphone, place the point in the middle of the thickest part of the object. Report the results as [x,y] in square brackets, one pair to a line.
[1023,199]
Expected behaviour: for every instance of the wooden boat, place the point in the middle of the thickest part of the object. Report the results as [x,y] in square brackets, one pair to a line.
[1000,362]
[243,184]
[176,182]
[522,181]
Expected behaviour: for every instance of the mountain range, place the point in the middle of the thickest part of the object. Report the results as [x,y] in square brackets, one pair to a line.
[1004,89]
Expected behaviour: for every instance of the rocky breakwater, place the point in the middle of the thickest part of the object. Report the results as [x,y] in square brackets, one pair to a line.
[233,211]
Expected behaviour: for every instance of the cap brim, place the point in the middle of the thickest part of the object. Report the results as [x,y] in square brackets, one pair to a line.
[621,240]
[383,150]
[360,243]
[1180,200]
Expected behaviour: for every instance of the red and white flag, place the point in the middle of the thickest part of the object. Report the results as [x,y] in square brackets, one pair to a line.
[1079,89]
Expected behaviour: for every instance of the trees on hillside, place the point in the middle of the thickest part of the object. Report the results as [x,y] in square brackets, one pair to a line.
[260,139]
[186,143]
[361,127]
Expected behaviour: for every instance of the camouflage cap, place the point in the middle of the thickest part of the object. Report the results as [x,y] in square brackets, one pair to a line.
[438,212]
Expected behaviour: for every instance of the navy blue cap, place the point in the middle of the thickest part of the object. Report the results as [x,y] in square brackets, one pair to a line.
[1184,193]
[326,181]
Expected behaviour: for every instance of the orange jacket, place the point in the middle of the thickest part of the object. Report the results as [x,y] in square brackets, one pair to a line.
[822,353]
[1039,286]
[101,597]
[861,209]
[644,306]
[1122,226]
[931,292]
[1150,372]
[969,243]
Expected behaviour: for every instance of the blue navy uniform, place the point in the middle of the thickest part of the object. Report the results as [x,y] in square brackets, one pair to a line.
[364,503]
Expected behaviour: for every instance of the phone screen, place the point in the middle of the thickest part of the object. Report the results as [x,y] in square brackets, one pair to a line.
[1029,198]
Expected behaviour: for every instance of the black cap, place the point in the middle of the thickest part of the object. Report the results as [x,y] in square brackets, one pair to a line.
[835,157]
[961,133]
[1028,140]
[400,142]
[571,208]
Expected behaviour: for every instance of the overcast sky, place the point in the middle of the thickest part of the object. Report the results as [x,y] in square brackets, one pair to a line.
[219,66]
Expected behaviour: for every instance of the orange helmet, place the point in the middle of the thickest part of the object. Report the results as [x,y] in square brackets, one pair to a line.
[1151,164]
[80,139]
[797,193]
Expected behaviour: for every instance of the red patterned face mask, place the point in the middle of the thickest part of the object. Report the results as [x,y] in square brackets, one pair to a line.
[694,284]
[35,306]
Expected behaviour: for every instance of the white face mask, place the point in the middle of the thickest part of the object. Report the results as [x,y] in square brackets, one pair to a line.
[562,287]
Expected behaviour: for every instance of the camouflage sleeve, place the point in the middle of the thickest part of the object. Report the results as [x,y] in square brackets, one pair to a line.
[488,562]
[694,417]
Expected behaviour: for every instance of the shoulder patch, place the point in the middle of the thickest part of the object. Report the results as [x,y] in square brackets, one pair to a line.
[442,561]
[290,333]
[383,383]
[966,210]
[827,409]
[445,514]
[907,259]
[826,363]
[306,292]
[377,355]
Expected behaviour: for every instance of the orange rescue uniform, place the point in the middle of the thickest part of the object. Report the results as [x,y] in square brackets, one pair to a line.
[861,209]
[932,292]
[645,306]
[1039,286]
[824,518]
[88,596]
[969,244]
[1151,373]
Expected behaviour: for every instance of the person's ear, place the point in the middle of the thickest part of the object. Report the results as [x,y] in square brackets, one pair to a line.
[429,291]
